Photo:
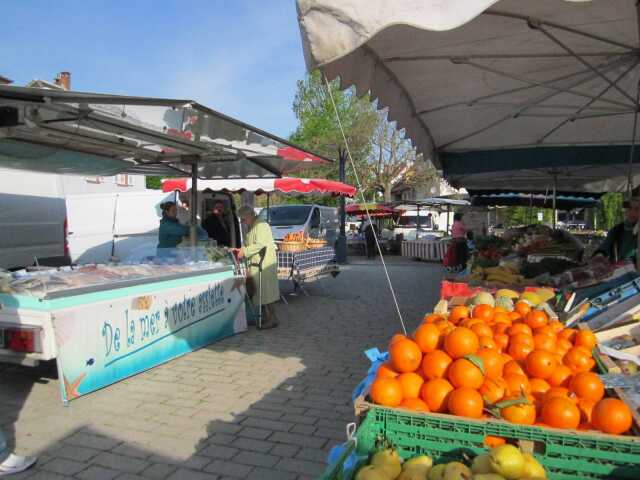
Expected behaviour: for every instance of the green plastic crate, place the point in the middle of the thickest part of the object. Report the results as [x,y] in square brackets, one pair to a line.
[565,455]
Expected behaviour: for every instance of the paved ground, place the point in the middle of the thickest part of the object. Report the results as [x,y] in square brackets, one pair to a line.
[259,405]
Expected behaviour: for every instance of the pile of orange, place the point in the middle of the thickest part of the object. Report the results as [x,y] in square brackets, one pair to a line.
[520,366]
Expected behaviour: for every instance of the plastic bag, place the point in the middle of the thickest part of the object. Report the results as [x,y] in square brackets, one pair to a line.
[377,358]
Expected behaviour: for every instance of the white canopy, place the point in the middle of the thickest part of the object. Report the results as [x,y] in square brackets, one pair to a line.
[483,86]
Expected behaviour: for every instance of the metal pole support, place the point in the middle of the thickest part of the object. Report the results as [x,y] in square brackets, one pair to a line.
[341,244]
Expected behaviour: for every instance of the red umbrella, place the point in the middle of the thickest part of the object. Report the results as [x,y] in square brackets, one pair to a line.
[375,210]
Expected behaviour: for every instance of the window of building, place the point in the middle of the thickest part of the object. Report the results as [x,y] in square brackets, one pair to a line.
[124,180]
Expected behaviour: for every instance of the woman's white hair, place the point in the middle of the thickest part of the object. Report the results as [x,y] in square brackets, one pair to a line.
[246,211]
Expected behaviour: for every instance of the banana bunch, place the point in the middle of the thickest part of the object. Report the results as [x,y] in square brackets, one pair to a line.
[497,275]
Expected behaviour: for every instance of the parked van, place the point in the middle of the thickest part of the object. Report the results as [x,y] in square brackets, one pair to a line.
[47,228]
[314,220]
[413,224]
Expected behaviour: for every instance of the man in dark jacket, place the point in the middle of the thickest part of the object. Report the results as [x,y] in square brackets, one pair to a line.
[622,240]
[217,226]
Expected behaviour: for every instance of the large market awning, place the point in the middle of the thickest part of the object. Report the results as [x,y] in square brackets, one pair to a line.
[547,89]
[564,200]
[298,186]
[92,134]
[374,209]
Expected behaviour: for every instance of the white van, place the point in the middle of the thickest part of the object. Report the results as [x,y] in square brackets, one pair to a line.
[414,224]
[314,220]
[40,224]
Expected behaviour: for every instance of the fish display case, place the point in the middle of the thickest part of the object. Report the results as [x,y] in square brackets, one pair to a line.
[104,323]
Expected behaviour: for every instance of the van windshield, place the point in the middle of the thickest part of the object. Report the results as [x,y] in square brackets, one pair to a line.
[412,221]
[286,215]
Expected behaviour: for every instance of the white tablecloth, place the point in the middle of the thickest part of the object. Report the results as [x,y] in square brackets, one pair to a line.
[432,250]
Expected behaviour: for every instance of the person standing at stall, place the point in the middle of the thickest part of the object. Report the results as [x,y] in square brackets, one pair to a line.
[216,225]
[622,240]
[260,251]
[369,237]
[171,231]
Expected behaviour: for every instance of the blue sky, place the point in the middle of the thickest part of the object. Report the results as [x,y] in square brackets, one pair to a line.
[240,57]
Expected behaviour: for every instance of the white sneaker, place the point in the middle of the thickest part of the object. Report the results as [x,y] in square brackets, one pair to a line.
[15,464]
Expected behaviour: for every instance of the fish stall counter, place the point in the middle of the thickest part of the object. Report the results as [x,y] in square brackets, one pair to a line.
[104,323]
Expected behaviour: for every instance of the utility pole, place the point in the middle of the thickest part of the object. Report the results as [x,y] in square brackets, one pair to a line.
[341,246]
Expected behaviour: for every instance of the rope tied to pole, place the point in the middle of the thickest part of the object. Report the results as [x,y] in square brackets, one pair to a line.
[366,208]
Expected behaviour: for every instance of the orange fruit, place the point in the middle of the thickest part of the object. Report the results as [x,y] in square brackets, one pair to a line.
[411,384]
[587,385]
[493,389]
[499,309]
[465,402]
[538,388]
[536,319]
[560,377]
[611,415]
[435,393]
[544,341]
[585,338]
[492,362]
[501,317]
[547,329]
[483,312]
[397,337]
[568,334]
[578,359]
[458,313]
[414,404]
[512,366]
[514,316]
[560,392]
[461,342]
[487,343]
[522,413]
[516,384]
[519,351]
[585,405]
[502,340]
[522,308]
[482,330]
[563,346]
[556,326]
[433,317]
[386,371]
[492,441]
[386,392]
[520,328]
[559,412]
[427,337]
[500,327]
[405,355]
[435,364]
[463,373]
[541,364]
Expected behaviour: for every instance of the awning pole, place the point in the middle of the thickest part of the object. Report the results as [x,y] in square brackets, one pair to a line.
[268,207]
[447,232]
[633,145]
[555,184]
[194,202]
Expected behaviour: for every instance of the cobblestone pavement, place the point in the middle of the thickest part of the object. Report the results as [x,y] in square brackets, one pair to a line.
[259,405]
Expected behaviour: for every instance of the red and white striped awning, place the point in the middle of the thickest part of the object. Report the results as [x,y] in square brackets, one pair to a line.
[299,186]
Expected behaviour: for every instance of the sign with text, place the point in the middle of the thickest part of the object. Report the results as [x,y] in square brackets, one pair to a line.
[100,343]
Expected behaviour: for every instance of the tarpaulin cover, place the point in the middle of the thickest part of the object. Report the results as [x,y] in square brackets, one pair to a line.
[564,200]
[545,88]
[300,186]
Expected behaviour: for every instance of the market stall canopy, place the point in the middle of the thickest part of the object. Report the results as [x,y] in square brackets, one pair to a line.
[548,87]
[374,209]
[564,200]
[299,186]
[93,134]
[430,202]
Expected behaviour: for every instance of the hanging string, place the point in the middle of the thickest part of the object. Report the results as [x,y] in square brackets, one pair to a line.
[366,209]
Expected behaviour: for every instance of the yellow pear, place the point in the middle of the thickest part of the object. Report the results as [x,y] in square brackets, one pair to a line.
[532,467]
[437,472]
[456,471]
[506,460]
[372,473]
[421,462]
[487,476]
[481,464]
[389,460]
[412,474]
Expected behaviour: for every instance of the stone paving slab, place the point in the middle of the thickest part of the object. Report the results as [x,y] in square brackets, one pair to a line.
[258,405]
